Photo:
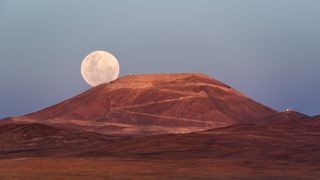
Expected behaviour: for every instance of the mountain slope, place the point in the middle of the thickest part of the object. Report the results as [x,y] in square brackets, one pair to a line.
[34,139]
[154,103]
[285,117]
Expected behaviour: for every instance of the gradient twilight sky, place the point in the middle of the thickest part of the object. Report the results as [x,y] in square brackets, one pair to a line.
[268,49]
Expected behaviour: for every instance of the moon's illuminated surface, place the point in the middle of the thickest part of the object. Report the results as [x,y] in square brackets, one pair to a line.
[99,67]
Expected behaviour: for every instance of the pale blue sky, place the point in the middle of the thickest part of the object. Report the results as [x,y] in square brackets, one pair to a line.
[268,49]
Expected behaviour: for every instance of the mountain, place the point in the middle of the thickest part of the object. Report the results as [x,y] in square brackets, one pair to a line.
[153,103]
[180,126]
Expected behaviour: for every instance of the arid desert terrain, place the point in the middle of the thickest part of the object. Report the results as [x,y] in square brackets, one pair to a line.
[160,126]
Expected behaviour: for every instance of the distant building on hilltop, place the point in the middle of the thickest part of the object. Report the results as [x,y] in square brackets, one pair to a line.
[289,110]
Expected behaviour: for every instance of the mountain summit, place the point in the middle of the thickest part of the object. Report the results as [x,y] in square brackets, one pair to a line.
[153,103]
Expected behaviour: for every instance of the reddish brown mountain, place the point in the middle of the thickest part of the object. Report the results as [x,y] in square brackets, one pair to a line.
[154,103]
[230,133]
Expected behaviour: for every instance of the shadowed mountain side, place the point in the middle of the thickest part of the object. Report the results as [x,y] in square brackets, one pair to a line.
[160,103]
[295,141]
[35,139]
[300,138]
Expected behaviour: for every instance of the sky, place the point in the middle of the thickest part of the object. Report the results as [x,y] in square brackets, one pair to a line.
[267,49]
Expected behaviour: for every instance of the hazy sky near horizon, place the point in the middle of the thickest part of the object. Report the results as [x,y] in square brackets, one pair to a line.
[267,49]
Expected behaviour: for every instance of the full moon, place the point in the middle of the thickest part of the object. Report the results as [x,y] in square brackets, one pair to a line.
[99,67]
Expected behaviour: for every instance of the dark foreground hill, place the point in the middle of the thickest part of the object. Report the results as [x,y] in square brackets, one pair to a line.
[265,149]
[297,140]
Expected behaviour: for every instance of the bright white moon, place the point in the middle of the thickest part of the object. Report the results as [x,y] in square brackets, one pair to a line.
[99,67]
